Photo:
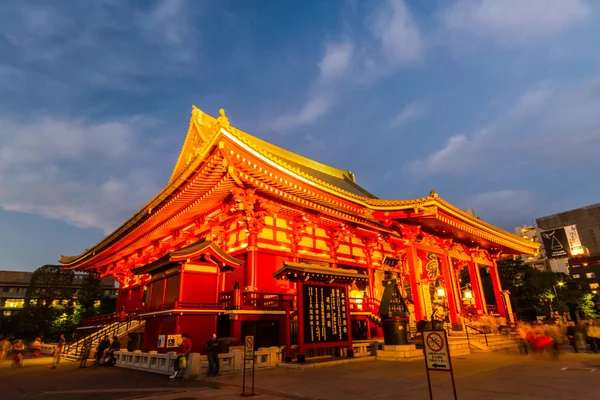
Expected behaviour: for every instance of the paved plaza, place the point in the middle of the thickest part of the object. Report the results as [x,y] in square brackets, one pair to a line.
[478,376]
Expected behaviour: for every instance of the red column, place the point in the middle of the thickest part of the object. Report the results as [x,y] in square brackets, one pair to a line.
[301,356]
[450,292]
[414,281]
[349,319]
[497,290]
[181,285]
[250,271]
[475,285]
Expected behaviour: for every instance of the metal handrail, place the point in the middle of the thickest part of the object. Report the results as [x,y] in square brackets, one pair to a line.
[478,331]
[106,330]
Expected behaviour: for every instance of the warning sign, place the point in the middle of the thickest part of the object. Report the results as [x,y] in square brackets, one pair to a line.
[249,348]
[437,356]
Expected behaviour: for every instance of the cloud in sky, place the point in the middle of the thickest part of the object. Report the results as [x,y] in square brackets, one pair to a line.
[399,37]
[515,21]
[394,40]
[336,60]
[410,112]
[77,171]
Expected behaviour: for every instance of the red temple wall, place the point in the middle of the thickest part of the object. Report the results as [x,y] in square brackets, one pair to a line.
[151,334]
[267,264]
[199,288]
[200,328]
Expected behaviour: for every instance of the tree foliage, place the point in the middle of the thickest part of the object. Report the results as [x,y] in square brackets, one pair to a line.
[88,294]
[534,292]
[49,295]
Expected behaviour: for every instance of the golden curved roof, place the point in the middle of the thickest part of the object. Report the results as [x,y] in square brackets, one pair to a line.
[202,135]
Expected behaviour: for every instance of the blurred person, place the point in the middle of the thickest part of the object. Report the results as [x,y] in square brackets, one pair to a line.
[85,353]
[4,347]
[114,346]
[181,361]
[36,347]
[57,355]
[103,345]
[212,350]
[18,350]
[572,336]
[593,336]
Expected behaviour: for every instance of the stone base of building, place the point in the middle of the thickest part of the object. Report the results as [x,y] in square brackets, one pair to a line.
[399,353]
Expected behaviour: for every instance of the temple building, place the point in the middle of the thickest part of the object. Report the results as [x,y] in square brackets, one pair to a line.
[249,238]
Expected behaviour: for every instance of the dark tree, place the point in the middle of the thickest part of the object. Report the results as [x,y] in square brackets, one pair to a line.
[88,294]
[49,283]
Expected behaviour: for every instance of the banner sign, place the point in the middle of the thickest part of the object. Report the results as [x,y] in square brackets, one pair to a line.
[573,239]
[161,341]
[562,242]
[555,243]
[325,317]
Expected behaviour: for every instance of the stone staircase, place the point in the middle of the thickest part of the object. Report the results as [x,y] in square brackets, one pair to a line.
[120,329]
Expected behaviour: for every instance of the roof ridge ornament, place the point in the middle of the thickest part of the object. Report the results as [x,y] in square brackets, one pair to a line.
[223,121]
[433,194]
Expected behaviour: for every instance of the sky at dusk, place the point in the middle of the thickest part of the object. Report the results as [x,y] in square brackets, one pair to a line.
[495,104]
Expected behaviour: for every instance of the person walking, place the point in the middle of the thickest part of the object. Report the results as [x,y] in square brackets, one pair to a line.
[4,347]
[593,336]
[572,336]
[103,344]
[85,354]
[212,349]
[181,360]
[60,346]
[18,350]
[36,347]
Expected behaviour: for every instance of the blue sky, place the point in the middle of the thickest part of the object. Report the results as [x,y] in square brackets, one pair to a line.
[495,104]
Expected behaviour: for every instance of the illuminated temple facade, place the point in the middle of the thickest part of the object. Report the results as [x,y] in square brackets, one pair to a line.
[211,251]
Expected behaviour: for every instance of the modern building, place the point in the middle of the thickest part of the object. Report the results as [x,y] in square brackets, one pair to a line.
[581,259]
[587,220]
[14,284]
[530,232]
[249,238]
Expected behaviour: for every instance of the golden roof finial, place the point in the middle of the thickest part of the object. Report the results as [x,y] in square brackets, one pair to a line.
[222,120]
[195,111]
[433,194]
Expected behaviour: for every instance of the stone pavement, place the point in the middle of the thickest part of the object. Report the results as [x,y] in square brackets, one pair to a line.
[482,375]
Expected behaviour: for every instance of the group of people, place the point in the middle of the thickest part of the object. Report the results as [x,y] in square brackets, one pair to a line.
[538,337]
[212,351]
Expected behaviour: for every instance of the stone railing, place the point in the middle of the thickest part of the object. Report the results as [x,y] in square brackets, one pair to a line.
[47,348]
[363,348]
[163,363]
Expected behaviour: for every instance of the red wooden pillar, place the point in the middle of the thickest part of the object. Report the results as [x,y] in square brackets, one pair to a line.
[250,271]
[411,253]
[450,292]
[181,286]
[476,286]
[349,319]
[497,289]
[371,281]
[301,356]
